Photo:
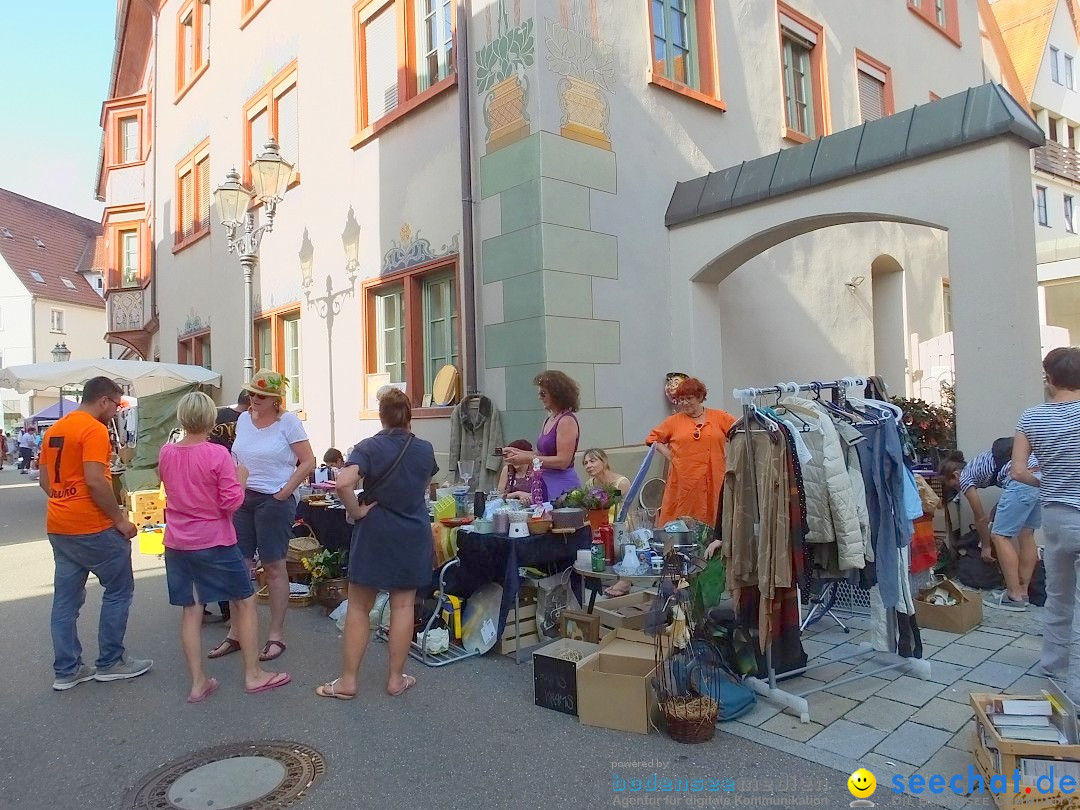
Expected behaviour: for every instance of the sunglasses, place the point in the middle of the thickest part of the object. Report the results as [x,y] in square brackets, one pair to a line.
[697,431]
[261,396]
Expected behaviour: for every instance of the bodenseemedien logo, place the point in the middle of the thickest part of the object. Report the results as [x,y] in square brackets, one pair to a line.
[862,785]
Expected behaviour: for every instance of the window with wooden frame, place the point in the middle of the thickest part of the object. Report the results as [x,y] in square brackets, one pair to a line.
[403,54]
[249,8]
[274,112]
[802,64]
[684,49]
[194,349]
[412,328]
[56,321]
[875,87]
[192,196]
[192,43]
[942,15]
[129,147]
[278,347]
[128,258]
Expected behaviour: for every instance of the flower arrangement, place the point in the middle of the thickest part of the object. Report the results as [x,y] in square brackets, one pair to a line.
[931,427]
[589,498]
[325,564]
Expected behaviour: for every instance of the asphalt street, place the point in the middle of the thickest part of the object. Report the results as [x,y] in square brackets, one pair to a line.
[468,735]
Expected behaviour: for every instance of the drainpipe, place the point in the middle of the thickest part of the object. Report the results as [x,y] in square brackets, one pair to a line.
[33,351]
[468,236]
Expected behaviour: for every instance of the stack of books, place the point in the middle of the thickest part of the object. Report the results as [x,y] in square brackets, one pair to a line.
[1026,719]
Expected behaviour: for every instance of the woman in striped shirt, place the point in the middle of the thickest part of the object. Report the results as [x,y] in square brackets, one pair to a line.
[1052,431]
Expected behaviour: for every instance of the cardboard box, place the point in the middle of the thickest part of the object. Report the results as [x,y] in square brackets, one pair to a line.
[997,756]
[555,682]
[958,618]
[614,684]
[628,611]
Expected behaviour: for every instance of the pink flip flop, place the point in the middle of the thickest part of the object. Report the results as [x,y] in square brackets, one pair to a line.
[279,679]
[211,687]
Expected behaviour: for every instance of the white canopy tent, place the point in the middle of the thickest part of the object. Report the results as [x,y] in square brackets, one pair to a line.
[144,377]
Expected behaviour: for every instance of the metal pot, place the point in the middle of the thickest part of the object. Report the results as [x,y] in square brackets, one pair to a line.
[568,518]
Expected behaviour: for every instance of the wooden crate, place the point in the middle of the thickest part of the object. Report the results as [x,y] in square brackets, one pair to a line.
[152,517]
[997,756]
[527,627]
[146,500]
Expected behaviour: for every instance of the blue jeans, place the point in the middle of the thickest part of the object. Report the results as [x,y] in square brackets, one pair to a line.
[107,555]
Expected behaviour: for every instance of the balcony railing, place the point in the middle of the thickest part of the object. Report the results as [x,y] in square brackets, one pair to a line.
[1057,159]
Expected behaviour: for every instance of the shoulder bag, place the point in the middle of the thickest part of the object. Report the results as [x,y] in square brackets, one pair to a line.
[365,496]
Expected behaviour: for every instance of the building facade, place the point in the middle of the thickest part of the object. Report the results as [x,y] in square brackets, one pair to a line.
[564,126]
[49,262]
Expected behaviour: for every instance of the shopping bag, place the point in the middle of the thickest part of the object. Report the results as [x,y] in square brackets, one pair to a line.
[553,596]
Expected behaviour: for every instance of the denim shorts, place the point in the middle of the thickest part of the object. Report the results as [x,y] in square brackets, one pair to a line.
[217,574]
[1018,509]
[264,524]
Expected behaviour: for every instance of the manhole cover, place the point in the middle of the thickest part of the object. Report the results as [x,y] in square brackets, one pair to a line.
[250,775]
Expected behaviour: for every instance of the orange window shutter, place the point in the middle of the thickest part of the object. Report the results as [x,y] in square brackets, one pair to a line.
[203,196]
[187,204]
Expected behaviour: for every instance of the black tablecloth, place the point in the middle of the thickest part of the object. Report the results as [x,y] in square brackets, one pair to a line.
[496,558]
[328,524]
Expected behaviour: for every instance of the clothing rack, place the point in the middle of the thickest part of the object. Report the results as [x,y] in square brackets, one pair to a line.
[796,700]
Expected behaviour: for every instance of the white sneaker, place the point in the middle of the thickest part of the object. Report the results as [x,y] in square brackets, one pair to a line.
[82,675]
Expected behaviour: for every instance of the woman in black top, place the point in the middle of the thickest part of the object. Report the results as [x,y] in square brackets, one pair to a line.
[391,543]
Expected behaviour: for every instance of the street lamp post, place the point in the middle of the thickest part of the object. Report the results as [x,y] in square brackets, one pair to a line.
[270,176]
[61,354]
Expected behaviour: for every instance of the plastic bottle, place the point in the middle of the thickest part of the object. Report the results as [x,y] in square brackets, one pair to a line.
[537,483]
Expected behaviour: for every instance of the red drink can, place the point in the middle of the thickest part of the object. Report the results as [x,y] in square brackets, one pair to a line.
[607,537]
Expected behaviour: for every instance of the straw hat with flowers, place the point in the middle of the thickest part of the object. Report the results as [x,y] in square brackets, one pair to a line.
[268,383]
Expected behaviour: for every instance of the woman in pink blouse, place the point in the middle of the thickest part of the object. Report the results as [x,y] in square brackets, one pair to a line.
[202,561]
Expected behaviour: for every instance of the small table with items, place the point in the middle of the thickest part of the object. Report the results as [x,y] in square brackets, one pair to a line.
[329,524]
[496,558]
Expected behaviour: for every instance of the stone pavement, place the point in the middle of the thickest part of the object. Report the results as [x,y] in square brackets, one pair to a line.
[468,735]
[894,724]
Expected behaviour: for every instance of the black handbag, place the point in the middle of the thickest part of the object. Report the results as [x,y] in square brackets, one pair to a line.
[365,496]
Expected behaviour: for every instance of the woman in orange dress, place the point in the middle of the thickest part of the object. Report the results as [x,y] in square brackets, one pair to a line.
[693,441]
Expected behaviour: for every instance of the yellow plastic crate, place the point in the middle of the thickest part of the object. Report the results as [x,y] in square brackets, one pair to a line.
[153,517]
[152,541]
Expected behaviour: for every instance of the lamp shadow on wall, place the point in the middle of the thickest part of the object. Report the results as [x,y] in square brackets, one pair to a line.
[328,306]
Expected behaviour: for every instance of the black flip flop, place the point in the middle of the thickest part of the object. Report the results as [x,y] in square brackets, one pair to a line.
[226,647]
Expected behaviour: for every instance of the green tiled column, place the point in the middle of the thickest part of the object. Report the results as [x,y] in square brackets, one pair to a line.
[544,258]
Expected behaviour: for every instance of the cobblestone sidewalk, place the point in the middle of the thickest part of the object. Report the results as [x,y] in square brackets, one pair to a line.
[894,724]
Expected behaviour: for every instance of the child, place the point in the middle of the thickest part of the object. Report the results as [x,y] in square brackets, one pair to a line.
[203,489]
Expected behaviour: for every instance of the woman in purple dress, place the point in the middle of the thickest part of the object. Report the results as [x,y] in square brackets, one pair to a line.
[559,437]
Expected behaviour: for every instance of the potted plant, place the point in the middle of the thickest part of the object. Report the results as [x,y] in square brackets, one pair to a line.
[500,73]
[596,500]
[931,428]
[329,583]
[588,69]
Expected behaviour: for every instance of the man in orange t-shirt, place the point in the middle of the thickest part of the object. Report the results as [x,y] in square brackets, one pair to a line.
[89,533]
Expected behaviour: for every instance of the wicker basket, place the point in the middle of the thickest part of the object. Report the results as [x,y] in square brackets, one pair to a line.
[302,546]
[690,720]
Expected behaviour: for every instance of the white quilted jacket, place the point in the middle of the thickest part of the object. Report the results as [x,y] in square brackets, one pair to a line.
[832,514]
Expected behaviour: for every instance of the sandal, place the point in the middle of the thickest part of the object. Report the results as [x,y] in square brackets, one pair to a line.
[409,681]
[329,690]
[226,647]
[211,687]
[265,654]
[276,680]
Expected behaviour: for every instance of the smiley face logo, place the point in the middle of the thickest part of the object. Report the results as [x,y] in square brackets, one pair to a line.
[862,784]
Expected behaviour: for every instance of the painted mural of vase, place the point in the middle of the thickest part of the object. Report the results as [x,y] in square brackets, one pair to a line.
[506,112]
[585,112]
